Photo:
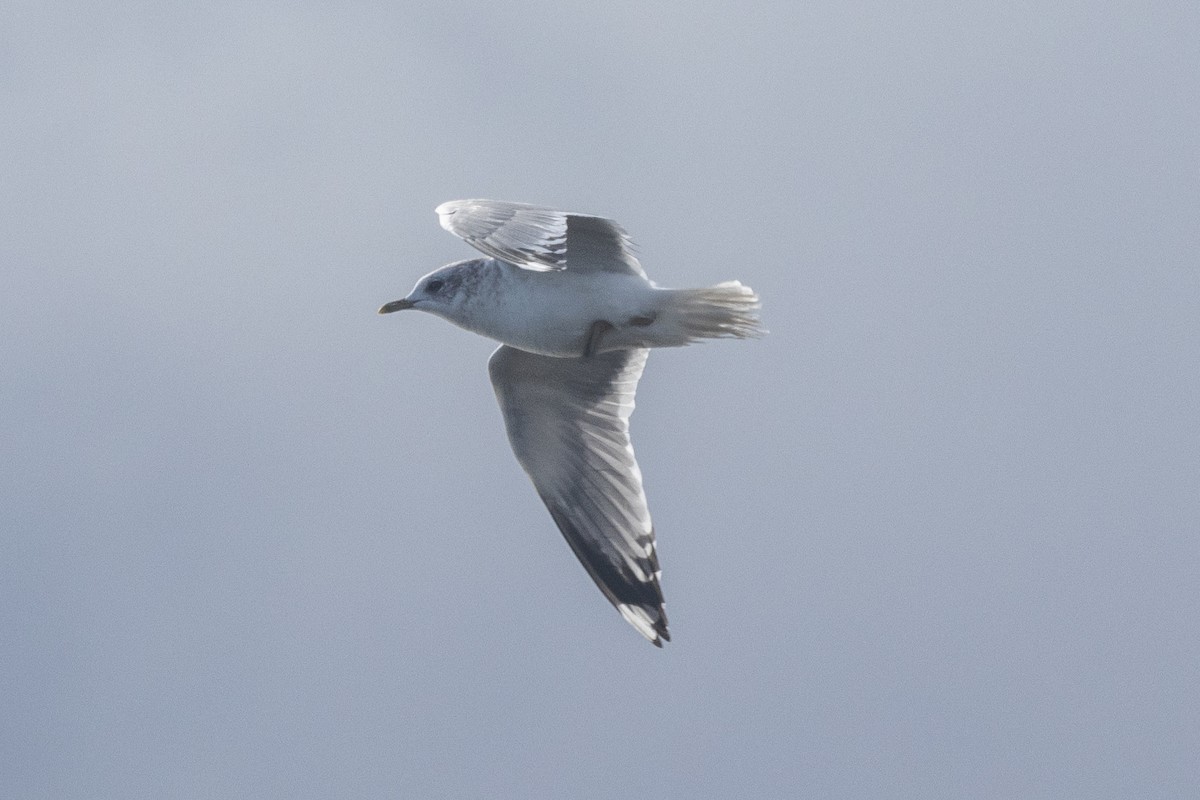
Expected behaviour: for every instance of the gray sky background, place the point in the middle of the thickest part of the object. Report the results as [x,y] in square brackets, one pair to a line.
[936,536]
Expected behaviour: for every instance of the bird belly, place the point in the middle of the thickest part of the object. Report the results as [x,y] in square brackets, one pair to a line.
[553,313]
[541,330]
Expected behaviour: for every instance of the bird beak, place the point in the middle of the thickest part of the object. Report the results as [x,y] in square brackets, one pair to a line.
[395,305]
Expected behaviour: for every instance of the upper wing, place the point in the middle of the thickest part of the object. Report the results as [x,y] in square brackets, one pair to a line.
[540,239]
[568,423]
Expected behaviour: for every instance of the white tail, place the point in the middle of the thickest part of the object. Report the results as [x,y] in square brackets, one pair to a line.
[727,310]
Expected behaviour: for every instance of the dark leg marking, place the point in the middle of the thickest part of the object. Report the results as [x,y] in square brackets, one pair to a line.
[598,329]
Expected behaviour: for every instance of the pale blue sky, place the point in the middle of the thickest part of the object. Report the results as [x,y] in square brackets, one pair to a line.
[936,536]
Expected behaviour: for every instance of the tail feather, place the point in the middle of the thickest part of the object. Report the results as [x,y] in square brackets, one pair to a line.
[727,310]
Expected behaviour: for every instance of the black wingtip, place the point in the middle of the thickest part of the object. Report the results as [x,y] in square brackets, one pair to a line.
[661,629]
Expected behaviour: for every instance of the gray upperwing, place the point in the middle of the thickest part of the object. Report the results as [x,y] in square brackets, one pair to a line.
[538,238]
[568,423]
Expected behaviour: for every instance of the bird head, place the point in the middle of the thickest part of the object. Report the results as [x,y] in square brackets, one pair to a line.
[440,292]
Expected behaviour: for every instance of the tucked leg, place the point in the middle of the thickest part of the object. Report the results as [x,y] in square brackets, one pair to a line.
[597,331]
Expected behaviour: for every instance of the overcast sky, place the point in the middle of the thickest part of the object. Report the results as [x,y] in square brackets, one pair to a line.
[936,536]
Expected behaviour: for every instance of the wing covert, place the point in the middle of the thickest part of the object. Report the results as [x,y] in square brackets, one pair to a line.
[539,238]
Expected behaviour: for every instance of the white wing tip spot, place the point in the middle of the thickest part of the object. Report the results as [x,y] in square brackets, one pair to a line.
[640,619]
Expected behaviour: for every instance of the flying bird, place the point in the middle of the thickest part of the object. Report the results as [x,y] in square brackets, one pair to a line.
[576,315]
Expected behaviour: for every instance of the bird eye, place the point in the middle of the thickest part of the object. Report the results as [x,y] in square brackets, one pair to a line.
[434,286]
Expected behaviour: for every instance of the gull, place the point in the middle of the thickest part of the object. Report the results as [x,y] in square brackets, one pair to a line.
[575,316]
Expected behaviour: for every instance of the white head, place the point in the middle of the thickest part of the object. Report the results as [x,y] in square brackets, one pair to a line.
[443,291]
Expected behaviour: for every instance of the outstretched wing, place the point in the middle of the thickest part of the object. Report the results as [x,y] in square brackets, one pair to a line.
[540,239]
[568,423]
